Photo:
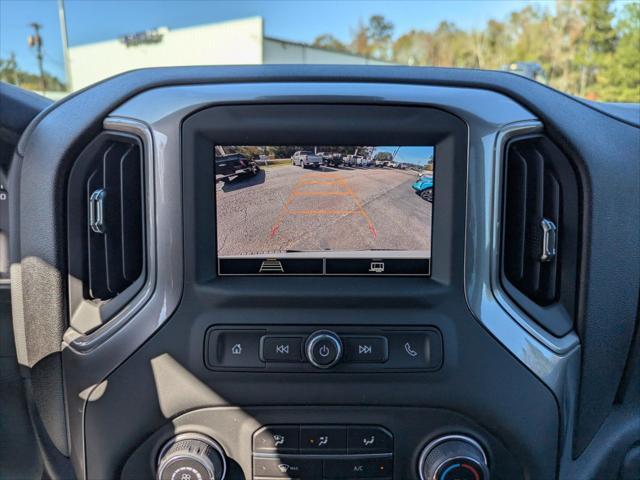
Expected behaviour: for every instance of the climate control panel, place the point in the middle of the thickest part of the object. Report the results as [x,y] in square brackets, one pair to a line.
[294,349]
[322,452]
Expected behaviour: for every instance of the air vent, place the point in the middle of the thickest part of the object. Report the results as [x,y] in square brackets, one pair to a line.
[114,196]
[540,231]
[106,235]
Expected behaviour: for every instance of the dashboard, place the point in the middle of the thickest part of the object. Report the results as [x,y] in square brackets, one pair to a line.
[332,273]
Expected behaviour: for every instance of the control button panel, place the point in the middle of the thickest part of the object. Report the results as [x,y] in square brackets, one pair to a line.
[340,349]
[322,452]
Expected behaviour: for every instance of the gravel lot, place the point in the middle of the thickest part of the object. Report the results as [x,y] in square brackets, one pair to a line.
[290,208]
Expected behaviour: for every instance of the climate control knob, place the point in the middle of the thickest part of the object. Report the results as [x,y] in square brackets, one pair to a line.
[191,456]
[453,457]
[323,349]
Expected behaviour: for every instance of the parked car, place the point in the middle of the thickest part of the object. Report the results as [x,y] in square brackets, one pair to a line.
[331,159]
[234,165]
[353,160]
[305,158]
[424,187]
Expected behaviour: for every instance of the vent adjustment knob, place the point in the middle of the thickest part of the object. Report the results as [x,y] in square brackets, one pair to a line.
[191,456]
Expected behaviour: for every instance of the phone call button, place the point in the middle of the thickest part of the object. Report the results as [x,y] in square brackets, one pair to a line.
[415,350]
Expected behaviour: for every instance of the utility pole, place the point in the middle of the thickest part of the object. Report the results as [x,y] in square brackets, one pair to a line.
[35,40]
[65,43]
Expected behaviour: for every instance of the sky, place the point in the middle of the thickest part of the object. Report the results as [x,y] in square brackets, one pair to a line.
[414,155]
[301,21]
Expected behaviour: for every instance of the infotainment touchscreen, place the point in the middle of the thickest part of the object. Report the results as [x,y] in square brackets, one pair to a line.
[324,210]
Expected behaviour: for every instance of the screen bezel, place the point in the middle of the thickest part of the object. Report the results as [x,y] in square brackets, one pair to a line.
[324,124]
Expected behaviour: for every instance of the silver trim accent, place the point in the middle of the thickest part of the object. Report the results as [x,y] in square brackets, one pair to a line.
[96,210]
[153,181]
[314,338]
[208,465]
[549,240]
[434,443]
[544,354]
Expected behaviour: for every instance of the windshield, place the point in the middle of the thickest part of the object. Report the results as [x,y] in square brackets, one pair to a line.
[585,48]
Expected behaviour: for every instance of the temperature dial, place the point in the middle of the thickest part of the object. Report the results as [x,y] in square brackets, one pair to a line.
[191,456]
[453,457]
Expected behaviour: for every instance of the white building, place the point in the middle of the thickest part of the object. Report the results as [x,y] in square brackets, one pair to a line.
[236,42]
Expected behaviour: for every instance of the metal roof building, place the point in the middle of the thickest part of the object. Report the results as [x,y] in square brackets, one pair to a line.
[235,42]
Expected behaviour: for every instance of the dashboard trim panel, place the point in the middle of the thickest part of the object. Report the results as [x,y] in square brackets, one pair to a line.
[495,118]
[156,116]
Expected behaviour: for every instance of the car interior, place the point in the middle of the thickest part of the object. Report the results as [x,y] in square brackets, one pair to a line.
[319,272]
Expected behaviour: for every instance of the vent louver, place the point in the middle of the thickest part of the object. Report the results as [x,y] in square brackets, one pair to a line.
[114,196]
[532,199]
[105,224]
[540,230]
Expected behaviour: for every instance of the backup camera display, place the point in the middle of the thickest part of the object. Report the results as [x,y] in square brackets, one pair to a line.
[324,210]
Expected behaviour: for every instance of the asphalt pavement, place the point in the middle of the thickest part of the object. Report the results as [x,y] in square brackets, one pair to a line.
[288,208]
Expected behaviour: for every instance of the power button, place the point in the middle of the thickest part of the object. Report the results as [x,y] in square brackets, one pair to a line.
[323,349]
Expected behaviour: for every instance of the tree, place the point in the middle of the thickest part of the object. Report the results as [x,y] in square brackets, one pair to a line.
[620,77]
[373,39]
[360,41]
[380,32]
[597,40]
[10,72]
[579,46]
[413,48]
[330,42]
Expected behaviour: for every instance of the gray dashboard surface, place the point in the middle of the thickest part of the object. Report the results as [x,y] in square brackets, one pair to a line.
[600,146]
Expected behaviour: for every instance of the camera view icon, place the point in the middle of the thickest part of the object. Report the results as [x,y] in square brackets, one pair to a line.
[271,265]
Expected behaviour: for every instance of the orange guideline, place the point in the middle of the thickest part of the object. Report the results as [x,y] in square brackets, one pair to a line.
[326,179]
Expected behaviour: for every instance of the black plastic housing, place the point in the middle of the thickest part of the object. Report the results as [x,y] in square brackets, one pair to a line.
[106,267]
[539,183]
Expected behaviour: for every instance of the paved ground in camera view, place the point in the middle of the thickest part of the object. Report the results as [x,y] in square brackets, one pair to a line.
[288,208]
